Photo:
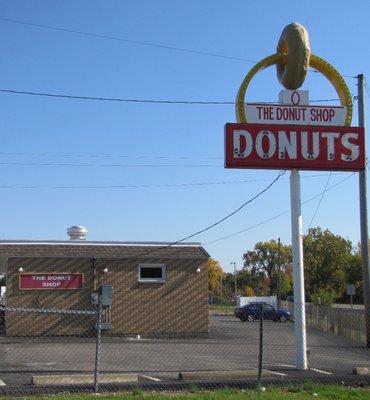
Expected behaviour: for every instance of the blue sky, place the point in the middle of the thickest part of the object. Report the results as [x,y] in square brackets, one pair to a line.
[159,144]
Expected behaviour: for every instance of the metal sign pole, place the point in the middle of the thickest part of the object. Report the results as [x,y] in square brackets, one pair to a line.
[298,272]
[363,215]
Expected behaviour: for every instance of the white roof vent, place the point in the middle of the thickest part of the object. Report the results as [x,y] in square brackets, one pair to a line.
[77,232]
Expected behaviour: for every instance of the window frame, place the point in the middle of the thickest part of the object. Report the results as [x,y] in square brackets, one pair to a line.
[152,280]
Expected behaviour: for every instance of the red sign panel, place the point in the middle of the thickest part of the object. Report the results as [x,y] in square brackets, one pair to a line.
[340,148]
[52,281]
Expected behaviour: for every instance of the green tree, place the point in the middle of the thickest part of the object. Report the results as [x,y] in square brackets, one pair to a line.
[228,285]
[248,281]
[264,262]
[285,282]
[354,276]
[323,297]
[327,260]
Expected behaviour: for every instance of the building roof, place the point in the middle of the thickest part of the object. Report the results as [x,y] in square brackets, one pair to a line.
[99,249]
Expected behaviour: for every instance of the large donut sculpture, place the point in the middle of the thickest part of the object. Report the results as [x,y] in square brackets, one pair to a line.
[293,57]
[294,45]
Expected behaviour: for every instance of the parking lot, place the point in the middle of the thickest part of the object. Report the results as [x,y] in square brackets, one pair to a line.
[232,345]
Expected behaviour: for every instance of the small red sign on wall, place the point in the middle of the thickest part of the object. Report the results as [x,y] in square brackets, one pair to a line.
[53,281]
[294,146]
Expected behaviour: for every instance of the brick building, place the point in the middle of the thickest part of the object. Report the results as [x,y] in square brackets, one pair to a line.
[157,289]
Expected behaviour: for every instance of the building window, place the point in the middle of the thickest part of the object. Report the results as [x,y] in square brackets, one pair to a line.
[152,273]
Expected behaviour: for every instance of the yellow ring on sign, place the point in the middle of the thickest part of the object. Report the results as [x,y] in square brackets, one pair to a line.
[318,63]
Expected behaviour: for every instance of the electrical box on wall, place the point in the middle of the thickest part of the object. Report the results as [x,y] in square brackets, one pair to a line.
[94,298]
[105,292]
[102,296]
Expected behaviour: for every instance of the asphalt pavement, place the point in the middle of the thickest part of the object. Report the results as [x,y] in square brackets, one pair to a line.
[232,345]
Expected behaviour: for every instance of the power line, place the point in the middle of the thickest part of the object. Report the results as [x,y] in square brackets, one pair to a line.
[114,99]
[366,87]
[107,156]
[136,42]
[120,39]
[344,76]
[248,229]
[134,156]
[128,186]
[319,203]
[34,164]
[278,215]
[87,165]
[85,187]
[128,100]
[281,173]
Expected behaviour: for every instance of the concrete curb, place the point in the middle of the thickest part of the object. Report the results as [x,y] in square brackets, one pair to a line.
[220,375]
[148,379]
[82,379]
[361,371]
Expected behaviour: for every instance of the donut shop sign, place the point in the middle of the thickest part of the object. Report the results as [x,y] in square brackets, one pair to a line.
[53,281]
[294,146]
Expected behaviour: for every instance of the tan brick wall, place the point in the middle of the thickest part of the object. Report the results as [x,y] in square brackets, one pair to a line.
[19,324]
[177,307]
[180,305]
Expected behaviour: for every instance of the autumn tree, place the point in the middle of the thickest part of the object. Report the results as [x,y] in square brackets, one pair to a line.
[267,263]
[214,276]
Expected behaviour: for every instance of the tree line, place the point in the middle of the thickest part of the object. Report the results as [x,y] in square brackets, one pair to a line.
[331,262]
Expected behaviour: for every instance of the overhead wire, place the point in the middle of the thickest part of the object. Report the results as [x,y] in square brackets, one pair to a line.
[177,157]
[120,39]
[117,165]
[344,76]
[35,164]
[279,175]
[136,42]
[278,215]
[168,185]
[115,99]
[319,203]
[130,100]
[366,87]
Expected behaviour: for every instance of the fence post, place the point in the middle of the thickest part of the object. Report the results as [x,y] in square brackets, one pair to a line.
[98,347]
[260,347]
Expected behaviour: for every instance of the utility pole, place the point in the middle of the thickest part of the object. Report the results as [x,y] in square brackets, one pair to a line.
[221,286]
[363,213]
[236,289]
[279,272]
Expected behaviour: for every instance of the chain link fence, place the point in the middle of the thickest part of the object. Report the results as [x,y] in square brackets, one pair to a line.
[344,321]
[74,350]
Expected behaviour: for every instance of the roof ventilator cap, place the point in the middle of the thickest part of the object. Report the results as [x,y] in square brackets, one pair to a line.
[77,232]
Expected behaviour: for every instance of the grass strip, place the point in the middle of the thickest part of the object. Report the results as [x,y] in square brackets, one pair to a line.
[303,392]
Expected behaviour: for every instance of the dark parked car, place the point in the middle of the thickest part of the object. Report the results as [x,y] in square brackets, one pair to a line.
[252,311]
